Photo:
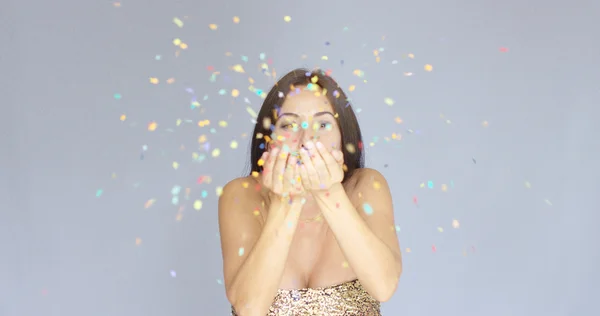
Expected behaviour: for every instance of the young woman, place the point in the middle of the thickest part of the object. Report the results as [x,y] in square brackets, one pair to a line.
[310,231]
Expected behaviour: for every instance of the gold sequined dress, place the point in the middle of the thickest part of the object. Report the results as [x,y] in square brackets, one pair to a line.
[348,298]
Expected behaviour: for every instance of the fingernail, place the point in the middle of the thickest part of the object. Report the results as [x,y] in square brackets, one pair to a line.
[319,144]
[309,144]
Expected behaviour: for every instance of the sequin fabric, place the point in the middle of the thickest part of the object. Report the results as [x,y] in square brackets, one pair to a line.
[348,298]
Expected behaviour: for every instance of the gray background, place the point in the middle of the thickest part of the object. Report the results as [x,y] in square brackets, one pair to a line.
[524,188]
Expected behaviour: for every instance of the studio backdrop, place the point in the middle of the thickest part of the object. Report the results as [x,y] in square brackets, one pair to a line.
[121,121]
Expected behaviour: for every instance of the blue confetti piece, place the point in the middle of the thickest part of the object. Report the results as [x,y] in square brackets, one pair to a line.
[99,193]
[368,209]
[204,194]
[430,184]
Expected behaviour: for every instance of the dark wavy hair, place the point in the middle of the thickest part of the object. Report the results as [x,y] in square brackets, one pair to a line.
[349,128]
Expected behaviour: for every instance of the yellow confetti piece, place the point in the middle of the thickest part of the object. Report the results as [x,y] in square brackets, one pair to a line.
[255,213]
[219,191]
[175,165]
[251,112]
[223,123]
[527,184]
[350,148]
[444,187]
[197,205]
[440,229]
[351,88]
[235,93]
[177,42]
[202,139]
[152,126]
[216,152]
[233,144]
[117,4]
[314,79]
[455,223]
[213,26]
[388,101]
[123,118]
[428,67]
[345,264]
[238,68]
[359,73]
[149,203]
[153,80]
[183,46]
[287,18]
[178,22]
[138,241]
[236,20]
[408,250]
[324,58]
[376,185]
[203,123]
[411,56]
[260,162]
[245,185]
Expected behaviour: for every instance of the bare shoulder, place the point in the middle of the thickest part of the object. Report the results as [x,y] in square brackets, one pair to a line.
[368,177]
[239,226]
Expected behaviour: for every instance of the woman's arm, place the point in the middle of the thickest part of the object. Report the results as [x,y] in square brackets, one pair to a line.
[253,260]
[368,240]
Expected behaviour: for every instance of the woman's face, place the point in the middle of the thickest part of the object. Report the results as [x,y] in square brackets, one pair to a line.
[306,115]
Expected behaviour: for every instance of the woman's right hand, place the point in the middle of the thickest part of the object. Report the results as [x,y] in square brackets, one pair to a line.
[281,176]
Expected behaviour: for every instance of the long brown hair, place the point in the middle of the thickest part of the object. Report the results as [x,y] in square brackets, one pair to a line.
[352,145]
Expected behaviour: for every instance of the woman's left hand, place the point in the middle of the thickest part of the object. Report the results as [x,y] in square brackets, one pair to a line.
[320,169]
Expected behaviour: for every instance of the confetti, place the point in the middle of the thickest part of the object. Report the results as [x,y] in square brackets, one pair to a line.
[173,273]
[117,96]
[154,80]
[213,26]
[345,264]
[235,93]
[351,88]
[216,152]
[99,193]
[388,101]
[485,123]
[178,22]
[287,18]
[241,251]
[440,229]
[123,117]
[175,165]
[455,224]
[149,203]
[238,68]
[138,241]
[527,184]
[236,20]
[368,209]
[428,67]
[152,126]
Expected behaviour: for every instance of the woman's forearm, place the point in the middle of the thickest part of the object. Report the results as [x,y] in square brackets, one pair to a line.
[375,264]
[255,285]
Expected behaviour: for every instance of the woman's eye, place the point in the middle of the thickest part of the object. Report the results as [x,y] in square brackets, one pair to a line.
[326,126]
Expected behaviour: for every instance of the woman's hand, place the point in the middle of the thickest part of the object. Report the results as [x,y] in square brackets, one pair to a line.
[320,169]
[281,175]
